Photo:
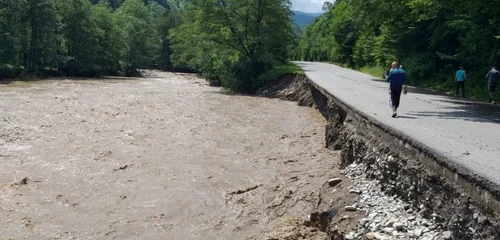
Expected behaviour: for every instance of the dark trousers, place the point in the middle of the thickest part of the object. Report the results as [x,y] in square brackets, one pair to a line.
[461,84]
[396,96]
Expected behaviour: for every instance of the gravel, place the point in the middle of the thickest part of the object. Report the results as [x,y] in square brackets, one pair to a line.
[387,217]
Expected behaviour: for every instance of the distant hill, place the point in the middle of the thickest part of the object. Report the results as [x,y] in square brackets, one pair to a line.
[303,19]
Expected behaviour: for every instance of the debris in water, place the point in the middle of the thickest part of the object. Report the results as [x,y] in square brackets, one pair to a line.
[121,168]
[334,182]
[320,220]
[241,191]
[23,181]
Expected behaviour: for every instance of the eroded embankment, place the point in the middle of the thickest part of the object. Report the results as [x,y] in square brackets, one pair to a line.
[458,202]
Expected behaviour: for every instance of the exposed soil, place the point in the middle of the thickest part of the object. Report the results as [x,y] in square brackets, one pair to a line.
[162,157]
[398,181]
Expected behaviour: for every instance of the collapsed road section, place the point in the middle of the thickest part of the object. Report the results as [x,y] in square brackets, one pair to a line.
[464,205]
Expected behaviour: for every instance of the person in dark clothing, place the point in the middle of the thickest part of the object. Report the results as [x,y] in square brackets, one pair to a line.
[493,75]
[397,80]
[386,73]
[460,78]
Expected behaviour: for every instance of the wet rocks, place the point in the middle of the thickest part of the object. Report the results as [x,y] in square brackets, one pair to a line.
[318,220]
[350,208]
[334,182]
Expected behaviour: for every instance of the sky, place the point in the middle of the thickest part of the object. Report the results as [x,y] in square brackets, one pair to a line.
[310,6]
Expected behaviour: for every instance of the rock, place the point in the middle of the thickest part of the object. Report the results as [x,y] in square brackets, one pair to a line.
[371,236]
[364,221]
[389,223]
[375,235]
[447,235]
[418,232]
[355,191]
[399,226]
[412,218]
[334,182]
[350,208]
[375,227]
[398,235]
[349,236]
[388,230]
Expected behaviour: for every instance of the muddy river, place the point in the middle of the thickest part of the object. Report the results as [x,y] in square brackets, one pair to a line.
[162,157]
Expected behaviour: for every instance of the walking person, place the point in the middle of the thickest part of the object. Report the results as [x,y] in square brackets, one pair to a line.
[397,80]
[460,78]
[493,75]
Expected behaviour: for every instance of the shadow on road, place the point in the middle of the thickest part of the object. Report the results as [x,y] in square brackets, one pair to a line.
[450,107]
[464,110]
[406,117]
[455,107]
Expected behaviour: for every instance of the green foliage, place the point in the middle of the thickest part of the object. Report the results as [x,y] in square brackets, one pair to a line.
[141,39]
[109,37]
[430,38]
[376,71]
[279,71]
[233,42]
[83,37]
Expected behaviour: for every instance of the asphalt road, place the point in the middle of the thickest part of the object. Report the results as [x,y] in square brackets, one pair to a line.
[464,131]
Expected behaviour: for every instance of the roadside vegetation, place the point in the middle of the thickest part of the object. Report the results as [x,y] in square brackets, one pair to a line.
[430,38]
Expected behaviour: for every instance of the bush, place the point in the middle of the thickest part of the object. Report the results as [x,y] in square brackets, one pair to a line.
[419,66]
[278,71]
[9,71]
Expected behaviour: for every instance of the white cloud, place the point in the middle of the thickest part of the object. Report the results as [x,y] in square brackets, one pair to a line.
[312,6]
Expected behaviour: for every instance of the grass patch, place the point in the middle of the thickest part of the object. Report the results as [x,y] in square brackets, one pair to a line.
[376,71]
[279,71]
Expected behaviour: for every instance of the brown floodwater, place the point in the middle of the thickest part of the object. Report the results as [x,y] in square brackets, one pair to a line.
[162,157]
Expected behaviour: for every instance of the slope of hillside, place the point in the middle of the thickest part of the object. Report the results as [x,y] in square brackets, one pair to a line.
[303,19]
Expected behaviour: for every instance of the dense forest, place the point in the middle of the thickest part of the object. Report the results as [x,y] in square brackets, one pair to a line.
[231,42]
[84,38]
[431,38]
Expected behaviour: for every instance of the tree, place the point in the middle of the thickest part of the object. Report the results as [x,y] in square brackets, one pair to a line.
[81,34]
[141,38]
[236,39]
[41,35]
[109,37]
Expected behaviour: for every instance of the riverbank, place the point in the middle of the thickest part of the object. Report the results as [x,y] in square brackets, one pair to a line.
[394,162]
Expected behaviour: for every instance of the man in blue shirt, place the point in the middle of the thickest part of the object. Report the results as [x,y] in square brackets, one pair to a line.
[460,78]
[397,80]
[493,75]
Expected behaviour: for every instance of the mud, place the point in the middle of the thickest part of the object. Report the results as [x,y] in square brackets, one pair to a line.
[162,157]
